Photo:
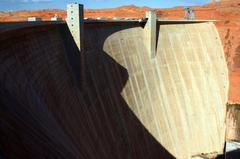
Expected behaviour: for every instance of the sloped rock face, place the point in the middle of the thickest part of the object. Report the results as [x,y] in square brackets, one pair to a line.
[24,14]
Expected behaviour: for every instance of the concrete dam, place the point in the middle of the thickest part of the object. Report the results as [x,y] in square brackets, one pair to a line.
[123,91]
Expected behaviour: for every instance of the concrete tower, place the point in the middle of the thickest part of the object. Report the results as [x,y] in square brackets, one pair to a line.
[151,32]
[75,22]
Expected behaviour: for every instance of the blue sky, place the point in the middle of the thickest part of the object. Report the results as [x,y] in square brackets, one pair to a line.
[11,5]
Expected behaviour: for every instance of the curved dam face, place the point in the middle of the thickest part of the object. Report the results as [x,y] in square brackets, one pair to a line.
[112,99]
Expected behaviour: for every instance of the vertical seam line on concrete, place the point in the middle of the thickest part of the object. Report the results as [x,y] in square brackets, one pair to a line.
[145,80]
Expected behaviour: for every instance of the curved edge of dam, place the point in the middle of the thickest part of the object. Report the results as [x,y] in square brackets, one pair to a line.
[112,99]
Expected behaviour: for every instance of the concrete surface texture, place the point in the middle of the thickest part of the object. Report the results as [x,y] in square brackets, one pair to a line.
[126,104]
[180,95]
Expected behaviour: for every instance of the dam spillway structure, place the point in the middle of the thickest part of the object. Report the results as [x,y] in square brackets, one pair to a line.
[112,89]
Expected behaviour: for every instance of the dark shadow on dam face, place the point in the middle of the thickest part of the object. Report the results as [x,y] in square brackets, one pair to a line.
[45,113]
[230,155]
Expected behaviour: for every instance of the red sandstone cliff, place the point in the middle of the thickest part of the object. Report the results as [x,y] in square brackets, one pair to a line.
[227,11]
